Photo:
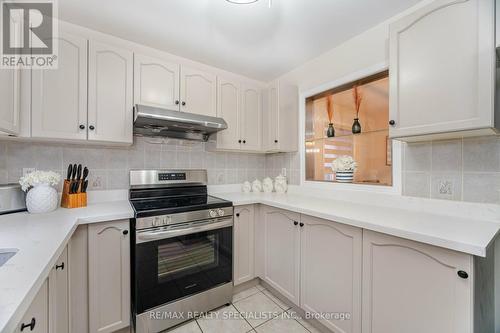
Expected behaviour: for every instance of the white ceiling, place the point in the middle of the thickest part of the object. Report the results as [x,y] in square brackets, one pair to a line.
[252,40]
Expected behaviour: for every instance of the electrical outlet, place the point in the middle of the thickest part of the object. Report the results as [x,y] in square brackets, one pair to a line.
[97,183]
[28,170]
[446,187]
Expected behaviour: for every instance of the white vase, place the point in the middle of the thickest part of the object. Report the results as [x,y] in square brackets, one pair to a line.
[267,185]
[42,198]
[344,176]
[256,186]
[280,184]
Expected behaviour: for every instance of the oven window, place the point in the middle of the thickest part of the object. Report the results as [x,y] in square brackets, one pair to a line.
[185,255]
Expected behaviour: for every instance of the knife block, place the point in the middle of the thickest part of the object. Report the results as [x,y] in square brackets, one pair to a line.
[73,200]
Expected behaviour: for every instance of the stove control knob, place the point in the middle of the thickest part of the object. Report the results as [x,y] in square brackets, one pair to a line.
[220,212]
[212,213]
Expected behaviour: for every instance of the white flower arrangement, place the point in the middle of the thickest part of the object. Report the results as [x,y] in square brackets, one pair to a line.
[39,177]
[344,164]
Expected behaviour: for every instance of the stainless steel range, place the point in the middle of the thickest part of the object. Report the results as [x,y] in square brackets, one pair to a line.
[182,259]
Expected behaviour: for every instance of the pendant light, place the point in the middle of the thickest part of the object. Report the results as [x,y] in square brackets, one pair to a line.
[246,2]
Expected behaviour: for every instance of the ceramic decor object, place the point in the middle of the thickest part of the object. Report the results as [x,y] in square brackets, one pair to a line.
[267,185]
[280,184]
[246,187]
[42,198]
[256,186]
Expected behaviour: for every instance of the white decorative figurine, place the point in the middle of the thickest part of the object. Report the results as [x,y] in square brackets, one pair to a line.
[246,187]
[42,196]
[280,184]
[256,186]
[267,185]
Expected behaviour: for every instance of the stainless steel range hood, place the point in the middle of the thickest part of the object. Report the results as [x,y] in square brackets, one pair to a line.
[152,121]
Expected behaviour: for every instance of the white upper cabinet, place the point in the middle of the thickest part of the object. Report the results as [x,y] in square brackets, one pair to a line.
[156,82]
[10,91]
[331,261]
[110,111]
[413,287]
[198,92]
[442,70]
[228,108]
[59,96]
[251,117]
[281,120]
[282,251]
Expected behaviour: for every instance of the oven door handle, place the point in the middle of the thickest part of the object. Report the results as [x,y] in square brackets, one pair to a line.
[151,236]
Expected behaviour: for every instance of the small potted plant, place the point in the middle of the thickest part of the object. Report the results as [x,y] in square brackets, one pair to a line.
[41,195]
[344,167]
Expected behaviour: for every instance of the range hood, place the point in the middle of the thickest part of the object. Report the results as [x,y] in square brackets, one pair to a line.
[152,121]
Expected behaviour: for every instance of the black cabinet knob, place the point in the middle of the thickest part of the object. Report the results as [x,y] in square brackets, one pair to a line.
[82,127]
[244,141]
[61,266]
[183,103]
[275,141]
[295,223]
[463,274]
[125,232]
[176,102]
[239,141]
[91,127]
[301,224]
[31,325]
[392,122]
[237,214]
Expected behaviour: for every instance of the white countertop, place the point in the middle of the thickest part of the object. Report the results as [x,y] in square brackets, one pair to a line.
[467,235]
[41,239]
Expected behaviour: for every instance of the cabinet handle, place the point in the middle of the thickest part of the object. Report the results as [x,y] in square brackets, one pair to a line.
[125,232]
[275,141]
[301,224]
[295,223]
[463,274]
[91,127]
[31,325]
[61,266]
[176,102]
[392,122]
[237,214]
[82,127]
[183,103]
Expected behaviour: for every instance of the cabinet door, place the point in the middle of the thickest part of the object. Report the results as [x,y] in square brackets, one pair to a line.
[251,117]
[228,108]
[331,260]
[442,67]
[10,90]
[109,276]
[36,318]
[156,82]
[198,92]
[272,123]
[58,295]
[282,251]
[59,97]
[413,287]
[243,244]
[110,113]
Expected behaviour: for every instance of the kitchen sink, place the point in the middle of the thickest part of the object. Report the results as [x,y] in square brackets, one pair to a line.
[6,254]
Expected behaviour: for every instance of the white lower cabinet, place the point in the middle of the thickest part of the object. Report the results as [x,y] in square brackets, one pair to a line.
[36,318]
[330,279]
[109,276]
[243,244]
[412,287]
[59,295]
[281,251]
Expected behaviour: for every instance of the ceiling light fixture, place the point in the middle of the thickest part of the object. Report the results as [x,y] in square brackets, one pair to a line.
[246,2]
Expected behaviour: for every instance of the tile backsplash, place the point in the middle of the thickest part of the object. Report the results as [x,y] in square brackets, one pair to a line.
[109,166]
[464,169]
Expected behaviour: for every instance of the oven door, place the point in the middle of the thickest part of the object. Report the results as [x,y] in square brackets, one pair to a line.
[181,260]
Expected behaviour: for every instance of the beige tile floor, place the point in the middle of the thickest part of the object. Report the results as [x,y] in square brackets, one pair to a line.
[252,310]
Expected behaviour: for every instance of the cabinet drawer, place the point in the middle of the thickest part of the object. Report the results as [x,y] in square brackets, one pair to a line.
[36,319]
